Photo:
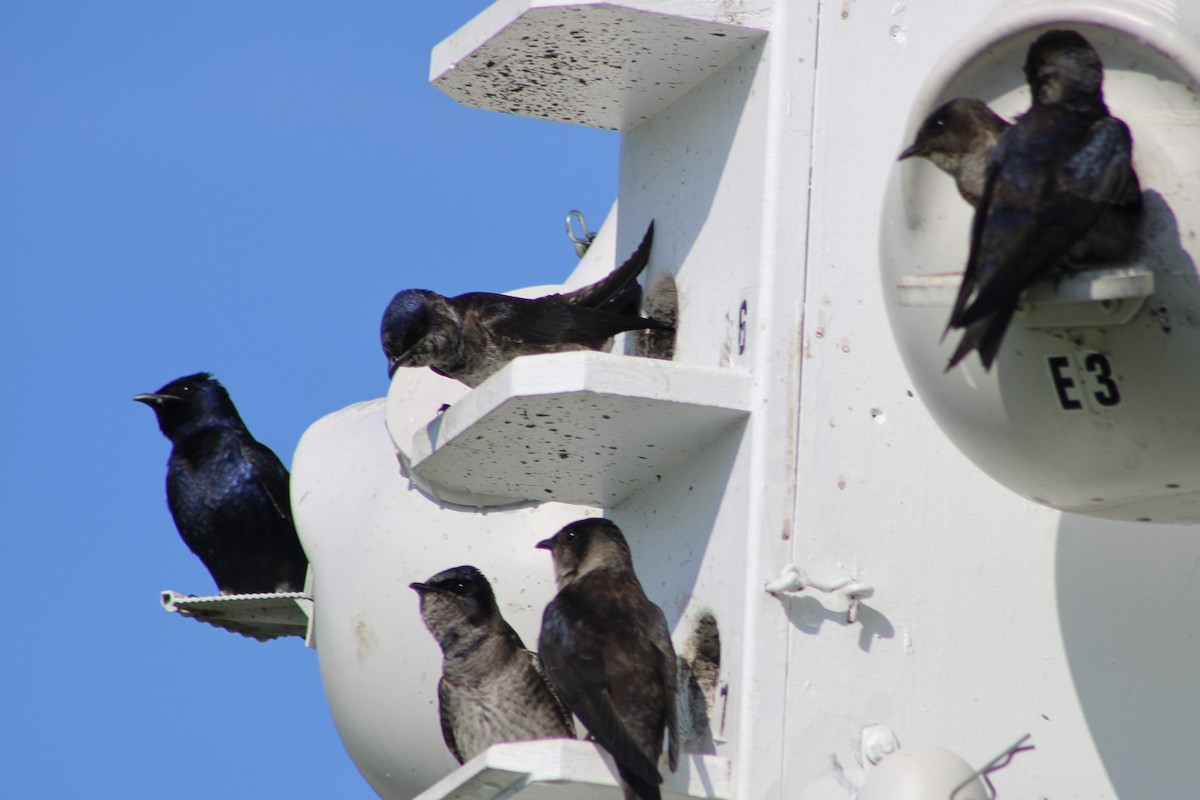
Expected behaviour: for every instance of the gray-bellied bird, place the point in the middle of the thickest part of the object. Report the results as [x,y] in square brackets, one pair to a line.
[473,335]
[227,492]
[491,689]
[959,137]
[607,652]
[1050,180]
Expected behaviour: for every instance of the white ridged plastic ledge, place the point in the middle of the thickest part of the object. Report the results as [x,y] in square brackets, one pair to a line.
[257,616]
[564,769]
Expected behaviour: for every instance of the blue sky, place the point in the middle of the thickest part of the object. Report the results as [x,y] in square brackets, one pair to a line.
[239,188]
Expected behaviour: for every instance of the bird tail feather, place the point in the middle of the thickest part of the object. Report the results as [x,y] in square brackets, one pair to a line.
[985,336]
[636,788]
[596,294]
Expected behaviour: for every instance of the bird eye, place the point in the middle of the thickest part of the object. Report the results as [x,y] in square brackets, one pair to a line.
[569,536]
[460,587]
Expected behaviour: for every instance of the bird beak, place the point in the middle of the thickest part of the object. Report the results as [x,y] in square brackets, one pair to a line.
[422,587]
[154,399]
[545,544]
[917,149]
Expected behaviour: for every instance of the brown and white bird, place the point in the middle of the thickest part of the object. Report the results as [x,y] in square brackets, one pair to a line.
[471,336]
[607,652]
[491,689]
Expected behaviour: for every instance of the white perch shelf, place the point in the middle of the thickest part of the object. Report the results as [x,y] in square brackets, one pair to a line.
[603,65]
[1103,296]
[594,428]
[257,616]
[564,769]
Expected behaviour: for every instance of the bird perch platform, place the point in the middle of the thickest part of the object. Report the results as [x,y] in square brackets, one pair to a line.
[558,769]
[595,428]
[257,616]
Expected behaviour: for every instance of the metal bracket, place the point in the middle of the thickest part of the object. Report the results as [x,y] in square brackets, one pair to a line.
[999,762]
[584,240]
[795,579]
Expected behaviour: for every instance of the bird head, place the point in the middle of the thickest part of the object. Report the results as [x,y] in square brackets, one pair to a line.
[454,601]
[585,545]
[191,403]
[1063,69]
[406,322]
[954,130]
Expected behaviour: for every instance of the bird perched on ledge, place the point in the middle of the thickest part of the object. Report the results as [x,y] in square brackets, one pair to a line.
[227,492]
[491,689]
[473,335]
[959,137]
[1050,180]
[607,652]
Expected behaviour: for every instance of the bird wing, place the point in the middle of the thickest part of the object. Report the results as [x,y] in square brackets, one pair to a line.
[270,474]
[560,708]
[572,656]
[552,320]
[1101,170]
[970,273]
[1033,213]
[660,635]
[447,720]
[610,285]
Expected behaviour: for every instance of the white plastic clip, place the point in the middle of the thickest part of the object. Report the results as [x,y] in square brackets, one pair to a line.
[795,579]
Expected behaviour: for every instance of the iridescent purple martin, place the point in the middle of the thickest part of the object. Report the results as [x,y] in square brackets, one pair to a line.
[473,335]
[1050,179]
[491,689]
[227,492]
[959,137]
[607,652]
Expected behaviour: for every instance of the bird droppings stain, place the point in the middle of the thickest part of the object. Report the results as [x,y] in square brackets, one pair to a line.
[845,345]
[364,638]
[878,415]
[1144,519]
[1172,485]
[841,482]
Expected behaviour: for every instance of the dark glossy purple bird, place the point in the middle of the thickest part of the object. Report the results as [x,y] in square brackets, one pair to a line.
[1051,178]
[607,652]
[491,689]
[227,492]
[473,335]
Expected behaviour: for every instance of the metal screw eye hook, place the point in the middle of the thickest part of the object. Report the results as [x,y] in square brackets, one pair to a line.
[999,762]
[584,241]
